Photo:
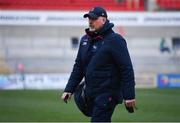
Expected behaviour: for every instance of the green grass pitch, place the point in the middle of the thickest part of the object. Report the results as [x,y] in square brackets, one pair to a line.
[45,105]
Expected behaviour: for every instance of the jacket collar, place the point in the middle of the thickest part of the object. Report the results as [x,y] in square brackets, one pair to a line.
[101,33]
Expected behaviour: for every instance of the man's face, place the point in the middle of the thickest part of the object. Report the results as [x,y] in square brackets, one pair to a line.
[96,24]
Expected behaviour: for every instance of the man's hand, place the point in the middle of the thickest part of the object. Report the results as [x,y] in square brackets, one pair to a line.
[66,96]
[130,105]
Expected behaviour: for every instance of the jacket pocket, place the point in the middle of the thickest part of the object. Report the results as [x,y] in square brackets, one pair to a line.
[100,78]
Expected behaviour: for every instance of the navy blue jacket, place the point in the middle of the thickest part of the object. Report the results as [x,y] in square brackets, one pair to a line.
[104,62]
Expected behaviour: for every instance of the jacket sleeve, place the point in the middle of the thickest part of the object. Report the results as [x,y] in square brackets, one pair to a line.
[122,59]
[76,74]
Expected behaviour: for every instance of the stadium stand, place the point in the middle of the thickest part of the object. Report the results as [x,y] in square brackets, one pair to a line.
[116,5]
[48,49]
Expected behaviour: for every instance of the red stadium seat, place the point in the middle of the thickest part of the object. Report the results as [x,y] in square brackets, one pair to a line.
[114,5]
[169,4]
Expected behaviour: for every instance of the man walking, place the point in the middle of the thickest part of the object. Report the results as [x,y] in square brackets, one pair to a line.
[104,63]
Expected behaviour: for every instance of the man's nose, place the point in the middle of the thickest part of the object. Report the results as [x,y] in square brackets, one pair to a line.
[90,20]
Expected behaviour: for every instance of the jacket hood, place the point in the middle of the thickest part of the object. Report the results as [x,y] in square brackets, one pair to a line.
[106,27]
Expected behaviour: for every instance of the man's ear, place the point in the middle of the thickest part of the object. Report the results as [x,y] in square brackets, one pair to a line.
[104,20]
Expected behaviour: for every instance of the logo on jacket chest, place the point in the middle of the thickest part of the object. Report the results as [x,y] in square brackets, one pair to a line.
[84,43]
[94,47]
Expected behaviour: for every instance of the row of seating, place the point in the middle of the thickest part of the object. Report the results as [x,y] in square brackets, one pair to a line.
[169,4]
[124,5]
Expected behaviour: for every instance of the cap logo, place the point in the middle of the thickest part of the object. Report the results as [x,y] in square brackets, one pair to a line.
[92,9]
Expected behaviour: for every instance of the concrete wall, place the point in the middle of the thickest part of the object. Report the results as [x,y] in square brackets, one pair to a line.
[48,49]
